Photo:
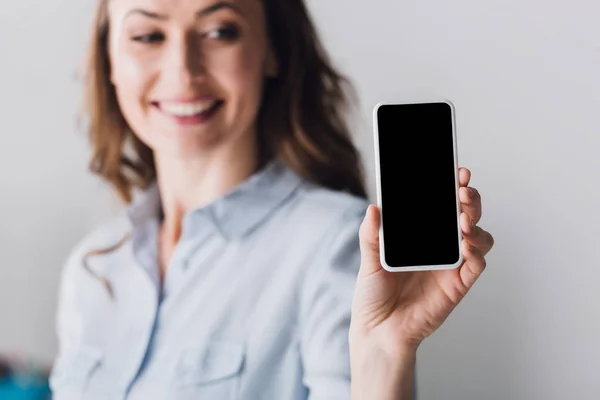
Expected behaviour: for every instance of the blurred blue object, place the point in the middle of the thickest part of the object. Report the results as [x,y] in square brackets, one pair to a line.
[14,390]
[23,383]
[10,390]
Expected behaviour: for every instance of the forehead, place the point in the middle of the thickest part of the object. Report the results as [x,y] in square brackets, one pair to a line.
[120,12]
[183,7]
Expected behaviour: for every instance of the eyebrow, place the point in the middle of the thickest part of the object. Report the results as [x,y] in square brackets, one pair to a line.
[202,13]
[218,6]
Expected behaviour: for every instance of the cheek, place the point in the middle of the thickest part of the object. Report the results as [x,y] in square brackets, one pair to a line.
[240,74]
[130,76]
[132,79]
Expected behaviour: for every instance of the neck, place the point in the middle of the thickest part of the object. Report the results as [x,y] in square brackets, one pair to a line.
[187,184]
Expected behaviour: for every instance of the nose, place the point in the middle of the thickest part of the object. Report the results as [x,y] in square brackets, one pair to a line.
[185,61]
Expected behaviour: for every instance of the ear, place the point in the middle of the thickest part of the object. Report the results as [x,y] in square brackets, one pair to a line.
[271,64]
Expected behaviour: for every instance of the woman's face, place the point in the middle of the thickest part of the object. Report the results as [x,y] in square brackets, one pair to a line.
[189,73]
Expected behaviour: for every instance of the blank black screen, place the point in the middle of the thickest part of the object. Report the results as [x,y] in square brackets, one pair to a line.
[418,192]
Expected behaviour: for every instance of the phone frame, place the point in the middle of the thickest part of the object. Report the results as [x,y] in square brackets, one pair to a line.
[380,199]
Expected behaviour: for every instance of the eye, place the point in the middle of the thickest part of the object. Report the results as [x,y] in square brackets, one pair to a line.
[227,33]
[149,38]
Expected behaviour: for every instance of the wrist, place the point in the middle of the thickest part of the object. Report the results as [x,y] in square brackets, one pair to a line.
[388,345]
[396,355]
[381,372]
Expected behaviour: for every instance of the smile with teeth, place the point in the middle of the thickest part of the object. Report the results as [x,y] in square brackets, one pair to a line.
[187,109]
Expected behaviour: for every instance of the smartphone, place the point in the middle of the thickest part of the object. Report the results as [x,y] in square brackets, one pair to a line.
[417,185]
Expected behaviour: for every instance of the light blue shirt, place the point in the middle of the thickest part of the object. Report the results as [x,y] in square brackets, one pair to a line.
[255,304]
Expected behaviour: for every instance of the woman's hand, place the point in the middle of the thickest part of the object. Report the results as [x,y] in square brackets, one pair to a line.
[393,313]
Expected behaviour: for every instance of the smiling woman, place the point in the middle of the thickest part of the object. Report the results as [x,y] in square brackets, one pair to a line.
[232,271]
[221,126]
[244,73]
[190,83]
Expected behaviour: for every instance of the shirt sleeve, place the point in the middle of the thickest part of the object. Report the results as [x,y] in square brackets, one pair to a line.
[76,317]
[68,327]
[326,303]
[326,308]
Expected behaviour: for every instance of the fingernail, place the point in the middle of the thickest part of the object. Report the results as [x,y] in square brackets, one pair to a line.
[472,224]
[471,192]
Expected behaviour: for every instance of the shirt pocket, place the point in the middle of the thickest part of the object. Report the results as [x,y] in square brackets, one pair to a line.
[211,370]
[73,370]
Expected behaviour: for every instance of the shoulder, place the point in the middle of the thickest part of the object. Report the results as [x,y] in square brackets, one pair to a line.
[331,220]
[326,221]
[101,237]
[324,205]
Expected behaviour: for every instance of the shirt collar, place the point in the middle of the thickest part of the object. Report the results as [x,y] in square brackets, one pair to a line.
[237,212]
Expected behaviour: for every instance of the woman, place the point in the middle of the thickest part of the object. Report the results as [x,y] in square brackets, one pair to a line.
[232,272]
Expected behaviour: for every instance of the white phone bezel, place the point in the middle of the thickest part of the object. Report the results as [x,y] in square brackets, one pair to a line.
[380,200]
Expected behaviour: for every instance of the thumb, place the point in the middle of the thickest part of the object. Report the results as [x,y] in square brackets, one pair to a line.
[369,242]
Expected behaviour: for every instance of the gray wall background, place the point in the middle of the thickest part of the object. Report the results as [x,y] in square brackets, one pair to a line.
[524,78]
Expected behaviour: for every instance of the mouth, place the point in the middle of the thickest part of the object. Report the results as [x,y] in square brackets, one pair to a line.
[189,112]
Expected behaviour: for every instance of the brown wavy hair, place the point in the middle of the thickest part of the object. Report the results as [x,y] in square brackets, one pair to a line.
[301,119]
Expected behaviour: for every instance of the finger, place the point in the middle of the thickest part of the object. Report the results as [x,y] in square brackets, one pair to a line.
[482,240]
[464,176]
[473,266]
[470,202]
[369,242]
[476,236]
